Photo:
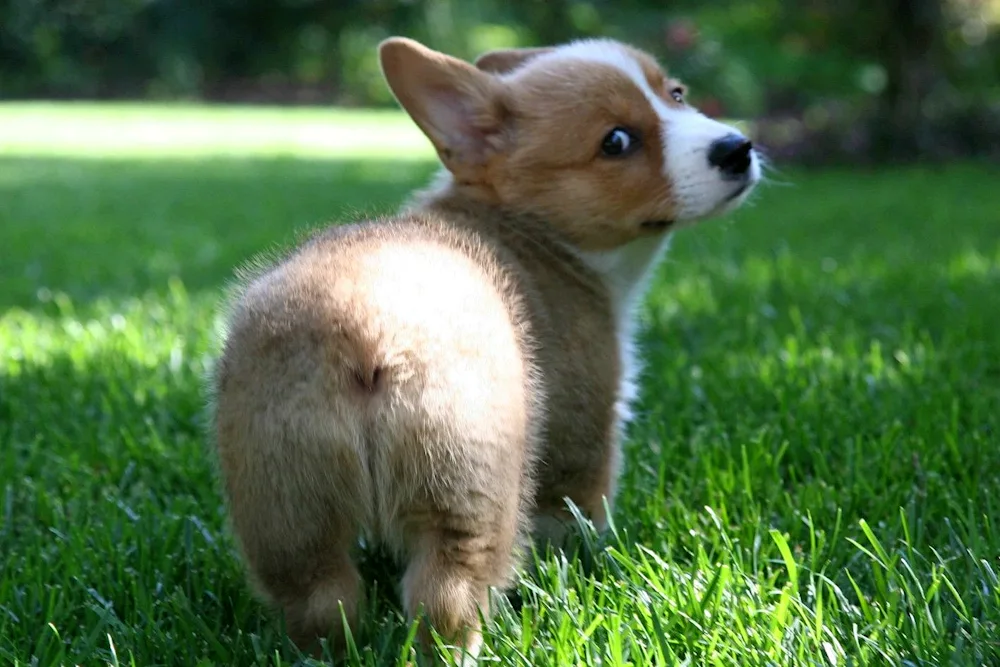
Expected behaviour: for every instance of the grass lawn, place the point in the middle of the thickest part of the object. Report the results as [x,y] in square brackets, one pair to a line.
[813,478]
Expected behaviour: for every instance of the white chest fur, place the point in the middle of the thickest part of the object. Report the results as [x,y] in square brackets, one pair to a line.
[626,272]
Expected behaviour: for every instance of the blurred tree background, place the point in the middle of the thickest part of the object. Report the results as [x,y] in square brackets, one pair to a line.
[822,80]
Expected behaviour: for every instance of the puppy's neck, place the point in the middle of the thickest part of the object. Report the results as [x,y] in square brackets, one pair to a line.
[478,208]
[625,271]
[445,192]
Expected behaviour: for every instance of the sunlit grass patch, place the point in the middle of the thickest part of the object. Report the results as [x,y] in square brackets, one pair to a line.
[198,131]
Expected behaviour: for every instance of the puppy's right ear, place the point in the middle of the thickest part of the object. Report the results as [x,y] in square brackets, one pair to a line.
[457,106]
[501,61]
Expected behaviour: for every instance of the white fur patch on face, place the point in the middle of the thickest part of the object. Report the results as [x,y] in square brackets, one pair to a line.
[599,51]
[700,190]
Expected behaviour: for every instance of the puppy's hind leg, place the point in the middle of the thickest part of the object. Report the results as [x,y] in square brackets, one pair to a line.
[328,595]
[292,455]
[298,541]
[449,576]
[464,534]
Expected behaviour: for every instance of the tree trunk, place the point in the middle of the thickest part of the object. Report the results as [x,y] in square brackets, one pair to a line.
[912,36]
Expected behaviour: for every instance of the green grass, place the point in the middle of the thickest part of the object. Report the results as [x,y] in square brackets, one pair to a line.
[813,478]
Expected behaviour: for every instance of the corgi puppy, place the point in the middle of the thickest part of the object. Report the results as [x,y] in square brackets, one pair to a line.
[439,382]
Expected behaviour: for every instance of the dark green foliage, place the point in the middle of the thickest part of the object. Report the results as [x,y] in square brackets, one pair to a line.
[314,50]
[913,79]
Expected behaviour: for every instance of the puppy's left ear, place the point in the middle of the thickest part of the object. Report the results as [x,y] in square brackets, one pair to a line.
[459,107]
[502,61]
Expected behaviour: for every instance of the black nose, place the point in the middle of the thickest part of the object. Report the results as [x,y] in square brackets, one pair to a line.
[730,154]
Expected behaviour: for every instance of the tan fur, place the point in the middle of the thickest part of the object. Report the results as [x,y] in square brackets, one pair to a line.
[441,380]
[502,61]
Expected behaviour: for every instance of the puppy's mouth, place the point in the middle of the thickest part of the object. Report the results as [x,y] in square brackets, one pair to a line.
[657,225]
[744,186]
[749,180]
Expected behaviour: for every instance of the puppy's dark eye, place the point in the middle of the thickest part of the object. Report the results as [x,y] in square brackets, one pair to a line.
[619,142]
[678,95]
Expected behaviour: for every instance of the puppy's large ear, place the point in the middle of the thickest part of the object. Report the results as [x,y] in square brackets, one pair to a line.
[502,61]
[457,106]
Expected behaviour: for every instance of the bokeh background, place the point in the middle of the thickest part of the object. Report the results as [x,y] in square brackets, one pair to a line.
[824,80]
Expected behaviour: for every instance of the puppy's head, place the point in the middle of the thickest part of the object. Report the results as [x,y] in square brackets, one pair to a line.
[592,135]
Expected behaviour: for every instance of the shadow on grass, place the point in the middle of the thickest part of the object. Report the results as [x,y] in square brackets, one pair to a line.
[117,227]
[113,228]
